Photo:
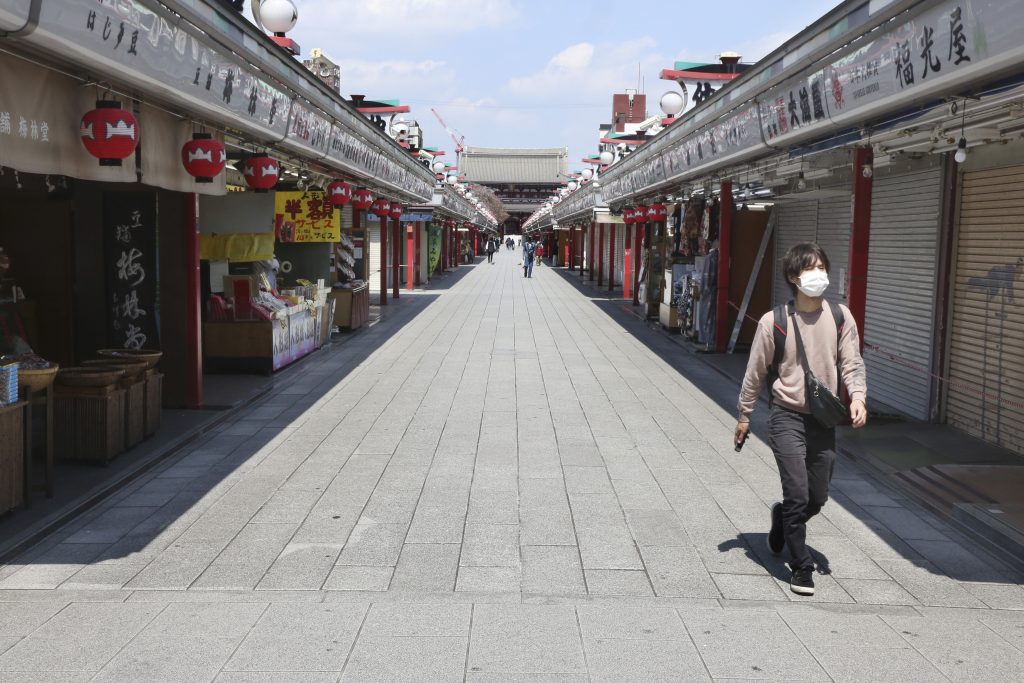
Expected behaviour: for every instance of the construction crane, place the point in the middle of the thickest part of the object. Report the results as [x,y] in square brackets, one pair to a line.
[458,141]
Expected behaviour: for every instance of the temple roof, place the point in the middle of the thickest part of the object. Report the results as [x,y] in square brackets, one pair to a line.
[506,165]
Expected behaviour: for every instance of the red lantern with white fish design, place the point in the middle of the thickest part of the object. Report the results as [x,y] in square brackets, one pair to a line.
[261,172]
[340,193]
[203,157]
[640,214]
[381,207]
[628,216]
[657,213]
[109,133]
[396,210]
[363,199]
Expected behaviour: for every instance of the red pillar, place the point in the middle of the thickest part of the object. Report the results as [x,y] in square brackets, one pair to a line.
[638,247]
[627,266]
[396,265]
[193,305]
[600,254]
[611,257]
[724,262]
[571,261]
[383,260]
[860,233]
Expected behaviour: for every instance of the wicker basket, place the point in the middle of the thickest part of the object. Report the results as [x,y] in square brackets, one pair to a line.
[151,356]
[89,377]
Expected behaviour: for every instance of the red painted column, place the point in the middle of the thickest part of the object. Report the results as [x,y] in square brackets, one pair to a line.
[860,233]
[611,257]
[572,248]
[724,263]
[592,249]
[193,304]
[410,257]
[396,265]
[638,248]
[600,254]
[383,222]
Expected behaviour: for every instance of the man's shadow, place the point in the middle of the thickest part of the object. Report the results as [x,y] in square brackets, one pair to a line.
[755,546]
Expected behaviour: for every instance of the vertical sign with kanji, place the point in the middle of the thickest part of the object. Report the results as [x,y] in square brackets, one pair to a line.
[130,244]
[306,217]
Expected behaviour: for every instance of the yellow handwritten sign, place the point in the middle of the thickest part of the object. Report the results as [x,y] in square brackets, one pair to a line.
[305,217]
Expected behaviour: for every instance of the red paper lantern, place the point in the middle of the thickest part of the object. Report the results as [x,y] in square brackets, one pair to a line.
[362,199]
[396,210]
[261,172]
[640,214]
[628,216]
[381,207]
[339,193]
[109,133]
[203,157]
[657,213]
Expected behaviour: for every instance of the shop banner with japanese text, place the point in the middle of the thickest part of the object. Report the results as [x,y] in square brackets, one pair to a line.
[306,217]
[130,247]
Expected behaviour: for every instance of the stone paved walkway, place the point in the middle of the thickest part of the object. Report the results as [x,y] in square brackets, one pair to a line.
[503,480]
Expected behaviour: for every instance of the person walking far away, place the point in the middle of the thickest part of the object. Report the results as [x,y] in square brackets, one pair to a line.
[529,254]
[540,253]
[490,252]
[801,350]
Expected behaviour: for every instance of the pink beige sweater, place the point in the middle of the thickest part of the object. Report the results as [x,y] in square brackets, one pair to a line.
[819,334]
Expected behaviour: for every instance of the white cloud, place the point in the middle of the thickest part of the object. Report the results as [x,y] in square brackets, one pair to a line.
[393,78]
[574,57]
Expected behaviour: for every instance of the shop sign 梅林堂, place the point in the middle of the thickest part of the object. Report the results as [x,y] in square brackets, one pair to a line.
[306,217]
[130,230]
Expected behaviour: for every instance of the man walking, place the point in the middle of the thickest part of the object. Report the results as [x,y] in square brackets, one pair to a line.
[490,251]
[529,253]
[800,342]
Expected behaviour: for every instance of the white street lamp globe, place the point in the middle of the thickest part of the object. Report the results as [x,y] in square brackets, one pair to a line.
[278,16]
[573,185]
[672,103]
[607,158]
[438,167]
[452,180]
[588,173]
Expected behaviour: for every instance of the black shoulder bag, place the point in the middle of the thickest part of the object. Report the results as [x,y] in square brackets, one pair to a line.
[826,407]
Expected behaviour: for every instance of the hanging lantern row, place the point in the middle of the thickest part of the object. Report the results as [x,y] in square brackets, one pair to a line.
[381,207]
[109,133]
[261,172]
[203,157]
[339,193]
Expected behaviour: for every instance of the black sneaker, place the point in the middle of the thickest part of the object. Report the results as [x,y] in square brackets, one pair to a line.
[802,582]
[776,539]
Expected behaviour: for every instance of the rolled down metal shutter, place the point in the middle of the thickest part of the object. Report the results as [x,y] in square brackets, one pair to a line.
[899,317]
[797,221]
[374,230]
[833,235]
[986,364]
[620,253]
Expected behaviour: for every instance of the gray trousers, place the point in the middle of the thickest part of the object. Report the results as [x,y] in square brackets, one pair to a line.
[806,454]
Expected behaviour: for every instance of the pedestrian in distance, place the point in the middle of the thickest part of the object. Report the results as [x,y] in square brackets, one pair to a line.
[540,253]
[490,252]
[529,254]
[802,350]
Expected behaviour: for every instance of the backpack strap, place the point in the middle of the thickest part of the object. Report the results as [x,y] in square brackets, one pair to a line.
[780,329]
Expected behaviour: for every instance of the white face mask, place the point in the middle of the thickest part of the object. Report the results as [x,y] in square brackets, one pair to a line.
[813,283]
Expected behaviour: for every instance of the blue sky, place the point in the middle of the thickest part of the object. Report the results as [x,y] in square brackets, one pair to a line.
[530,73]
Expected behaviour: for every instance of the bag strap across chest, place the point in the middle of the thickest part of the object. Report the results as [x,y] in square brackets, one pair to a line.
[780,330]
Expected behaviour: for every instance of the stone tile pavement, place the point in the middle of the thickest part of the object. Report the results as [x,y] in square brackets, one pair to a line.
[503,480]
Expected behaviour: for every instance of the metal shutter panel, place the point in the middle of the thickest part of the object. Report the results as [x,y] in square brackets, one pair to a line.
[374,230]
[833,235]
[900,312]
[797,222]
[987,345]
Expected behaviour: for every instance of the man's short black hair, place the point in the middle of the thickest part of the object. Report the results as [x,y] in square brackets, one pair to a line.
[801,257]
